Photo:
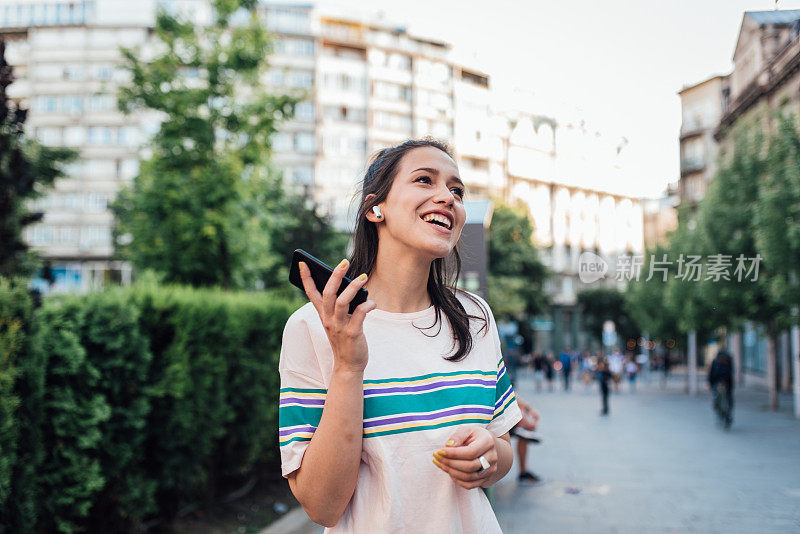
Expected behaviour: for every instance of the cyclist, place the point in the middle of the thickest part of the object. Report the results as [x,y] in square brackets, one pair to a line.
[720,380]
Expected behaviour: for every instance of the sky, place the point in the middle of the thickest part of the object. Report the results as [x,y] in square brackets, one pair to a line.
[617,63]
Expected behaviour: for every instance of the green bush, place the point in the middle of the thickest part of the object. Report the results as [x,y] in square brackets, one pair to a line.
[214,386]
[133,403]
[70,476]
[17,500]
[110,334]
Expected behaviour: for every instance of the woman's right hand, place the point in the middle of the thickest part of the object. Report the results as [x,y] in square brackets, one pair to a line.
[345,332]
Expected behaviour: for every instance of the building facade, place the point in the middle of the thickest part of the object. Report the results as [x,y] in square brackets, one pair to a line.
[571,179]
[702,106]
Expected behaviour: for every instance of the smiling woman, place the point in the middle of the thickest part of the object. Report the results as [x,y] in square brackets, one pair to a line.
[384,427]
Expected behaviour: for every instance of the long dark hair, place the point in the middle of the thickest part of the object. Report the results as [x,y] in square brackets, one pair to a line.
[443,273]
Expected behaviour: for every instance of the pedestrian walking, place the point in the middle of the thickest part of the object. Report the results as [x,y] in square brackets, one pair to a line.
[616,364]
[565,359]
[407,425]
[548,371]
[539,364]
[631,369]
[603,378]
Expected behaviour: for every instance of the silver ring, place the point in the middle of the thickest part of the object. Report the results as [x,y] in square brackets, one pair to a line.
[484,463]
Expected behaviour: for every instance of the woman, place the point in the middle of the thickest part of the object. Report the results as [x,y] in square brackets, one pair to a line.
[383,426]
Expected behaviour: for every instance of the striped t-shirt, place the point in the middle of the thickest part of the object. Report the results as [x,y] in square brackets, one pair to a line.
[414,400]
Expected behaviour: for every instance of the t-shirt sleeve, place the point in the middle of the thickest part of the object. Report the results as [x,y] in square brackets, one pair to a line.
[302,393]
[506,410]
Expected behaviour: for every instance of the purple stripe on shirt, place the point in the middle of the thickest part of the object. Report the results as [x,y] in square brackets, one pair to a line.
[501,370]
[432,385]
[502,399]
[428,417]
[299,400]
[290,431]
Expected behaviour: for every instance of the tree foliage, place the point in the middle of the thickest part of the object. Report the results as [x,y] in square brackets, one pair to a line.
[516,275]
[27,169]
[606,304]
[777,213]
[646,300]
[200,209]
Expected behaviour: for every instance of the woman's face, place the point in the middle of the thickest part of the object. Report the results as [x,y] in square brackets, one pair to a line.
[427,181]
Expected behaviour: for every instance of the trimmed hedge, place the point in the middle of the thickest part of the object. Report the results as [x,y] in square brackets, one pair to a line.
[137,402]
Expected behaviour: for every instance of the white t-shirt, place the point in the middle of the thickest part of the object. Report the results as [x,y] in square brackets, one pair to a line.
[414,399]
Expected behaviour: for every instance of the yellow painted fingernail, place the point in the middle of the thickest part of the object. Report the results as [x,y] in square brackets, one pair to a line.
[362,277]
[450,443]
[441,453]
[302,266]
[436,462]
[341,265]
[437,455]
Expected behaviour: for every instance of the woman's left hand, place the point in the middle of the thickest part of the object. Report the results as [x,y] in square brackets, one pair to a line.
[460,458]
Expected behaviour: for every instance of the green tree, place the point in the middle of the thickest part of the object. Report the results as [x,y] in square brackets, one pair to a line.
[299,225]
[607,304]
[200,209]
[646,300]
[727,220]
[27,169]
[777,213]
[516,275]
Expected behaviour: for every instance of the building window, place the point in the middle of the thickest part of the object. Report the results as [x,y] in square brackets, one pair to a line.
[392,121]
[304,111]
[302,79]
[74,135]
[95,235]
[305,143]
[100,135]
[41,234]
[49,136]
[392,91]
[303,175]
[281,142]
[97,202]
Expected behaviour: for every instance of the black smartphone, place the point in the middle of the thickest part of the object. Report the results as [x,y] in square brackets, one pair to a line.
[320,272]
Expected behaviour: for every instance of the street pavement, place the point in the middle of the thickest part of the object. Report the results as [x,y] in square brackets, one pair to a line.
[657,464]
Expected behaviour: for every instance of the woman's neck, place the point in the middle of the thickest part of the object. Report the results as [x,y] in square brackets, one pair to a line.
[399,282]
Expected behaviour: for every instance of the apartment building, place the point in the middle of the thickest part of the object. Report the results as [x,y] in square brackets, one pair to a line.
[65,56]
[702,106]
[372,84]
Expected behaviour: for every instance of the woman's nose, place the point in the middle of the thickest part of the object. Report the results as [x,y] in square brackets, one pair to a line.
[443,194]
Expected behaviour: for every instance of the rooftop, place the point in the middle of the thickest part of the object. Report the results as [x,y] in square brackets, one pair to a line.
[779,17]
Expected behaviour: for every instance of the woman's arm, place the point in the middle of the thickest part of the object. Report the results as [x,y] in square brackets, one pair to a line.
[505,458]
[327,476]
[326,479]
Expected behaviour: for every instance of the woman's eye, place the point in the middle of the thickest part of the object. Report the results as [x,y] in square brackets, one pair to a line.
[458,190]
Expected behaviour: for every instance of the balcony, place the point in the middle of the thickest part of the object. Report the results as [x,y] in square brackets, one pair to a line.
[690,165]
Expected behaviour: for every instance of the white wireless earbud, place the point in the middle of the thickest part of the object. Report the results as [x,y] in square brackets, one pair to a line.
[377,212]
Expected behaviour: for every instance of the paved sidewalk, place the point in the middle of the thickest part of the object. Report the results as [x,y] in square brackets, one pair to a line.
[657,464]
